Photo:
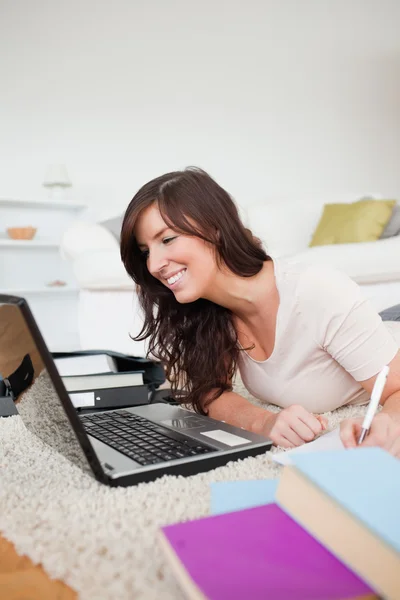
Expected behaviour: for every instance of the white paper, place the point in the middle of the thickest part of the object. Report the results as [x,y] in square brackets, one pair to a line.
[82,399]
[90,364]
[327,441]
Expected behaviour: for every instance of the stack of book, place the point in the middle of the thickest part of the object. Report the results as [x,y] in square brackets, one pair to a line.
[93,380]
[331,531]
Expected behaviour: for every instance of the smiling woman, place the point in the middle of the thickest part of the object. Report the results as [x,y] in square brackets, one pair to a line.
[302,336]
[184,263]
[181,233]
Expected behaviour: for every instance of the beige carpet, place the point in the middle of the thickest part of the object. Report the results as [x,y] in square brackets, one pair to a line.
[101,541]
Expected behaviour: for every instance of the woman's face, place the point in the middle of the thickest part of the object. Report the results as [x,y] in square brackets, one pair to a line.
[183,263]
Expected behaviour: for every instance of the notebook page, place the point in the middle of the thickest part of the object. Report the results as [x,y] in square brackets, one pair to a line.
[327,441]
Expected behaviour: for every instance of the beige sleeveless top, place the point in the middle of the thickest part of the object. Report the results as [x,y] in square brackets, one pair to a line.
[328,339]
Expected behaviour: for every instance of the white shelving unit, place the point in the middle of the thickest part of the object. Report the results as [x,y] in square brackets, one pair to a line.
[28,267]
[42,203]
[40,291]
[28,243]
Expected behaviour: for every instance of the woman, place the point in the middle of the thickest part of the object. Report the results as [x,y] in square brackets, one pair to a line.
[302,337]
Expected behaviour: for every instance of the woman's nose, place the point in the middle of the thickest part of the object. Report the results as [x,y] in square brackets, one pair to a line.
[156,262]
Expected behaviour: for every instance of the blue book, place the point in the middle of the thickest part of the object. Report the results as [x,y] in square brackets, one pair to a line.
[229,496]
[349,500]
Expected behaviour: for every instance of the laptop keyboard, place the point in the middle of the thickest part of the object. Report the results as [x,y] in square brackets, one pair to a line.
[142,440]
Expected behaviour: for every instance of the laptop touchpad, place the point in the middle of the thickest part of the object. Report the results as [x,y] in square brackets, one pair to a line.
[184,423]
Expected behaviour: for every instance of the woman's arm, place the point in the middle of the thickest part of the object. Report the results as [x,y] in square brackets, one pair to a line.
[348,328]
[385,427]
[236,410]
[289,428]
[392,407]
[391,394]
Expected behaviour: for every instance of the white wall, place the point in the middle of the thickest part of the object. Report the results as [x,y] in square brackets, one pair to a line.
[269,96]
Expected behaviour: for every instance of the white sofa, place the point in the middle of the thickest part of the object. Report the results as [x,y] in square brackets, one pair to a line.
[108,309]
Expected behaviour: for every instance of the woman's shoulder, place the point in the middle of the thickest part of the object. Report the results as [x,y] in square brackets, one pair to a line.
[312,273]
[315,284]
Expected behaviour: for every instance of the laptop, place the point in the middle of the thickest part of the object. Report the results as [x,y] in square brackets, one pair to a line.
[120,447]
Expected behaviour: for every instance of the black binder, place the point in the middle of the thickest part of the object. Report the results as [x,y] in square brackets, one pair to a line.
[153,375]
[119,397]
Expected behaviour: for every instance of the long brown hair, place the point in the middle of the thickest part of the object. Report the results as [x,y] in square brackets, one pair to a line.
[196,341]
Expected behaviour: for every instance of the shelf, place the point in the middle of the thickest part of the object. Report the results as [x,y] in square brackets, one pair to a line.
[48,204]
[8,242]
[68,289]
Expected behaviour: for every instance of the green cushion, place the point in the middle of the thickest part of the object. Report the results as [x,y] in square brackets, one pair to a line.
[362,221]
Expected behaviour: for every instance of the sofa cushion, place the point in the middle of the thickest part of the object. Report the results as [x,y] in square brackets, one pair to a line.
[393,227]
[366,262]
[284,227]
[114,226]
[285,223]
[362,221]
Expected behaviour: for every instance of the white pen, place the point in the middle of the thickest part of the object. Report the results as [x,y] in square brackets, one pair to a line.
[376,395]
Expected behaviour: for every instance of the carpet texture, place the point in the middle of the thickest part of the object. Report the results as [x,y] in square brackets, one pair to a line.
[101,541]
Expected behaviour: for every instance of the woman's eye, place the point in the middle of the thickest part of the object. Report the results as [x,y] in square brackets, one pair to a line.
[145,253]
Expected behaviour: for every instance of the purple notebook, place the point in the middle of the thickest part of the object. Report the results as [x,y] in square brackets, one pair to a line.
[258,553]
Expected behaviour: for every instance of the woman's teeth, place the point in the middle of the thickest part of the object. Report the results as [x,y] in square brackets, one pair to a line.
[175,278]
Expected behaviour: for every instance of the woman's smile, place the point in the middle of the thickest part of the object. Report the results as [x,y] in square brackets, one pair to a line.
[176,280]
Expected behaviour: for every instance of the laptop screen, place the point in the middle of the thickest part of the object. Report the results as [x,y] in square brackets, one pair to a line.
[31,378]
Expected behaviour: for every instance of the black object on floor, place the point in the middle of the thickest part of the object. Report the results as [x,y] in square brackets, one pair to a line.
[7,407]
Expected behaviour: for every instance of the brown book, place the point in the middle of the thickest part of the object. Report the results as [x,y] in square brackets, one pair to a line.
[349,500]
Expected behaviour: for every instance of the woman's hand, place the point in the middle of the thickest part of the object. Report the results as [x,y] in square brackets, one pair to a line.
[292,426]
[384,432]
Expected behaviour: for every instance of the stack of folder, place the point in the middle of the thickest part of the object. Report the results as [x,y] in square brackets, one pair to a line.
[104,379]
[328,529]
